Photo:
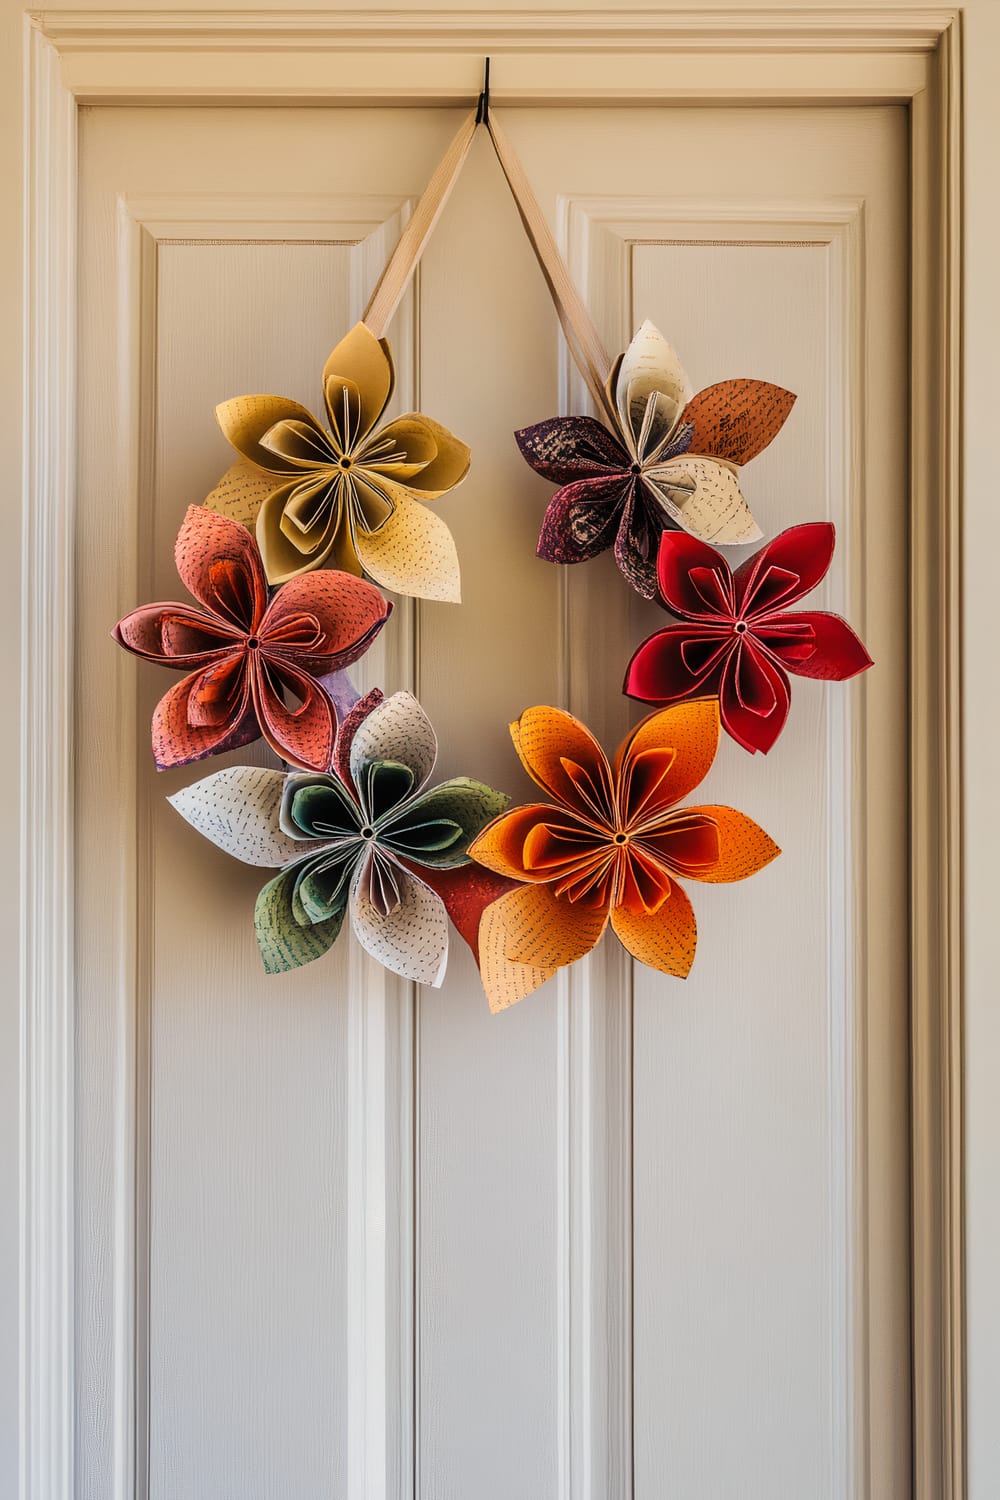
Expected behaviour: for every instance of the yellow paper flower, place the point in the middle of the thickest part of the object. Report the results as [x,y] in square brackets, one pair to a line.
[348,496]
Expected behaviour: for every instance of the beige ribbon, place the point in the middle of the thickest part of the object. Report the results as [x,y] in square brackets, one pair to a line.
[582,338]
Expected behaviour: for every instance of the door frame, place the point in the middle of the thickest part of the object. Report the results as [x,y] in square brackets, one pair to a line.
[908,56]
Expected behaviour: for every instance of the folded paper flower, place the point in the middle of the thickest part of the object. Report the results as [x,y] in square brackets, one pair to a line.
[610,846]
[737,636]
[246,654]
[351,842]
[667,460]
[347,496]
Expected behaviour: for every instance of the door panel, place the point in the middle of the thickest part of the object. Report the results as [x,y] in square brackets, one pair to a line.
[344,1236]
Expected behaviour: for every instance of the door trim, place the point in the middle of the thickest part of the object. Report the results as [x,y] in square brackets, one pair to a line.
[901,55]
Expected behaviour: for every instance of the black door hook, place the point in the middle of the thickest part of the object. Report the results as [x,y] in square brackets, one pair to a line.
[482,108]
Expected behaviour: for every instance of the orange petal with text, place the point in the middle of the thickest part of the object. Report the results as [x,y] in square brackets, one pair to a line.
[691,730]
[744,847]
[665,939]
[562,756]
[526,937]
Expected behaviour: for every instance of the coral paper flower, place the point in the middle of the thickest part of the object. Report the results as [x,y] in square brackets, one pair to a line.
[244,654]
[738,637]
[347,495]
[350,843]
[612,844]
[668,460]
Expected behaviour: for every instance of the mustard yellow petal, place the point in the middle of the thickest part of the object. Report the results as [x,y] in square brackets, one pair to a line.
[365,361]
[241,492]
[281,558]
[245,419]
[448,468]
[413,552]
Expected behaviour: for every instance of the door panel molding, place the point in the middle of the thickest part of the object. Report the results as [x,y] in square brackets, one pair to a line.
[907,55]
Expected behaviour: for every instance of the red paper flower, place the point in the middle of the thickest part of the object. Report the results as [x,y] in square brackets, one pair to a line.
[737,638]
[246,652]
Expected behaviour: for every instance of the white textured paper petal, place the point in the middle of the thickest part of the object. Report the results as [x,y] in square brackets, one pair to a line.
[650,364]
[412,940]
[399,730]
[238,809]
[705,498]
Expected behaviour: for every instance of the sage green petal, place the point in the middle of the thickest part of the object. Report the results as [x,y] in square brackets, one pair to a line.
[466,803]
[284,944]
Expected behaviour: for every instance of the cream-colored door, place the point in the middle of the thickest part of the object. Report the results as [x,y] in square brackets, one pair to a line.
[337,1236]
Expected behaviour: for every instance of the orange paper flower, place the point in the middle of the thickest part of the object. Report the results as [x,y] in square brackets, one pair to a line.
[610,846]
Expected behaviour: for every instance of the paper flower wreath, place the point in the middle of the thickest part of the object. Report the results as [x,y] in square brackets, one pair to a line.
[668,460]
[350,842]
[737,636]
[246,652]
[611,845]
[348,497]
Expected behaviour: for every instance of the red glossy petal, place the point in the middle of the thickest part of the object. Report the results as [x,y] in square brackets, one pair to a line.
[178,742]
[736,419]
[565,449]
[175,635]
[803,553]
[582,518]
[677,662]
[323,621]
[753,700]
[466,892]
[303,734]
[218,562]
[837,654]
[693,597]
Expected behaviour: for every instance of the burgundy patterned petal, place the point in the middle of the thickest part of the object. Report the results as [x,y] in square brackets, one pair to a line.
[581,519]
[567,448]
[635,546]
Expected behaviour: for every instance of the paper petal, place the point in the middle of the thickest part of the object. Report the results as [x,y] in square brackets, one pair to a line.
[219,564]
[691,730]
[663,669]
[413,552]
[679,556]
[565,449]
[412,940]
[470,804]
[177,742]
[500,846]
[241,492]
[649,365]
[303,735]
[237,809]
[582,518]
[545,738]
[801,555]
[245,419]
[282,560]
[704,498]
[367,362]
[450,465]
[349,724]
[839,653]
[744,847]
[526,937]
[665,939]
[466,891]
[175,635]
[323,621]
[635,545]
[396,730]
[284,944]
[736,419]
[750,723]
